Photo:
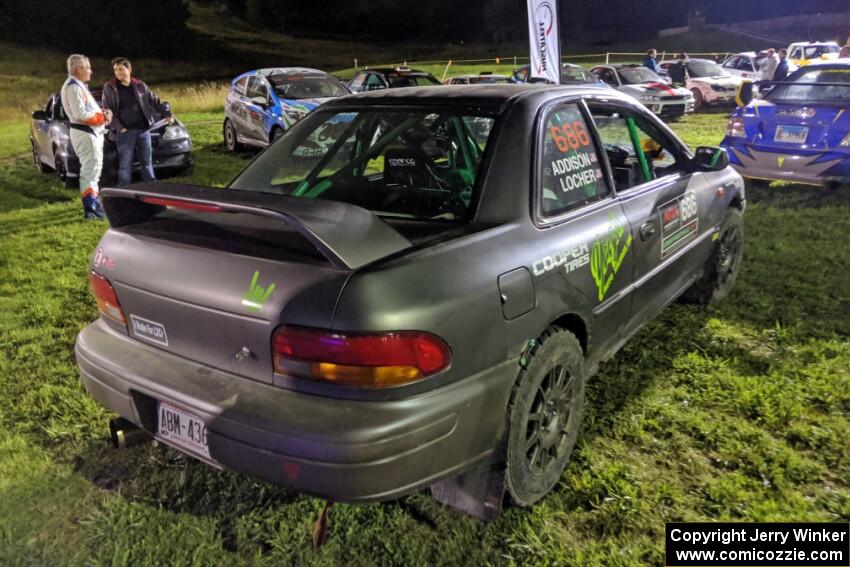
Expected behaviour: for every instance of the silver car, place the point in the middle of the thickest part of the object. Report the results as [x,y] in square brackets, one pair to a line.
[647,87]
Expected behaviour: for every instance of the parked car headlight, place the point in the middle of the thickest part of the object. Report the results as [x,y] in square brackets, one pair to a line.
[650,98]
[175,132]
[719,88]
[846,141]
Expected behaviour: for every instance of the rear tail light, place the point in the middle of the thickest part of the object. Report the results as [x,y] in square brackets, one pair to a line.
[180,204]
[735,128]
[376,360]
[107,301]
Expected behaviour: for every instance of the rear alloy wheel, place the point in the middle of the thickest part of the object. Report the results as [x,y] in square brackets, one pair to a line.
[36,158]
[698,100]
[723,266]
[544,416]
[276,134]
[230,139]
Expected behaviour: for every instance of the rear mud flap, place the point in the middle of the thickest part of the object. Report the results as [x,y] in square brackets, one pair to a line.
[479,492]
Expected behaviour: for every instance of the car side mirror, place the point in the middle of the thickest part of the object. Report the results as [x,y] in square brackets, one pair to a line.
[744,95]
[708,158]
[39,115]
[166,107]
[260,101]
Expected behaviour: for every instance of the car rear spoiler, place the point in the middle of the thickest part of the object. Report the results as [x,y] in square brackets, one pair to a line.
[349,236]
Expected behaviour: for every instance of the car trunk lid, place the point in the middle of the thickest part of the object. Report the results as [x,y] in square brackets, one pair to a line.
[210,273]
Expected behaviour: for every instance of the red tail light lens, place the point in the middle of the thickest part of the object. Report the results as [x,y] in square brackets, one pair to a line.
[179,204]
[107,301]
[370,360]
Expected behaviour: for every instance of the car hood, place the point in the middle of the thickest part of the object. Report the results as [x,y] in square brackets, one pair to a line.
[654,88]
[827,125]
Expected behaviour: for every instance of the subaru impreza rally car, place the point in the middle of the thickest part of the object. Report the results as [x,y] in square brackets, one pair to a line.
[262,104]
[799,131]
[308,329]
[709,83]
[648,87]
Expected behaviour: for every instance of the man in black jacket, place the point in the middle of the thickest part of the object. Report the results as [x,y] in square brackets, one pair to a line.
[135,109]
[678,71]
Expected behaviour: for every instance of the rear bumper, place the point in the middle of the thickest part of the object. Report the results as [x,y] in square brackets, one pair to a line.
[766,163]
[342,449]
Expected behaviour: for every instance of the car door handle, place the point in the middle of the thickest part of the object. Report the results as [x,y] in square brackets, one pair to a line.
[647,229]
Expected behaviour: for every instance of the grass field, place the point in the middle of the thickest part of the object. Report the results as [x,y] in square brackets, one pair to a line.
[736,413]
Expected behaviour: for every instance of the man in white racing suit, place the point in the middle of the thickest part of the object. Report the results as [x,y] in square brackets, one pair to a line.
[87,127]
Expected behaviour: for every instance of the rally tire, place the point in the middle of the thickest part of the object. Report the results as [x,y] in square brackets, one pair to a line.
[699,101]
[724,264]
[230,139]
[36,158]
[544,415]
[276,133]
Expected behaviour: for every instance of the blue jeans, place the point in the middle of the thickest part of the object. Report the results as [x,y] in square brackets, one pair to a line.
[134,143]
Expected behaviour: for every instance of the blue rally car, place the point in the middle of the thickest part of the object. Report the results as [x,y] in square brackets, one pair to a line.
[799,131]
[261,104]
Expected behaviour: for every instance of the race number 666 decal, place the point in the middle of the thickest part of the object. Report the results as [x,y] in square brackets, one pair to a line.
[570,136]
[688,206]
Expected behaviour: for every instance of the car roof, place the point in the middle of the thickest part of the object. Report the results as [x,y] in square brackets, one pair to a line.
[480,76]
[830,64]
[814,44]
[493,96]
[407,72]
[269,71]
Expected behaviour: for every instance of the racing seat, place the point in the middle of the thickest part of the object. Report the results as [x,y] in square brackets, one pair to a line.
[405,167]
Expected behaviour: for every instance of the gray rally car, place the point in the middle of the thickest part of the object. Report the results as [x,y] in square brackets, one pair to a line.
[52,150]
[394,296]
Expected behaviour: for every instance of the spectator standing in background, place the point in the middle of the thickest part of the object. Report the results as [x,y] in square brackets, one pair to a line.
[678,71]
[87,122]
[135,109]
[782,68]
[768,66]
[651,61]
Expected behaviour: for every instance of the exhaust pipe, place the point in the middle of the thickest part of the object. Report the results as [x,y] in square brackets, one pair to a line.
[125,433]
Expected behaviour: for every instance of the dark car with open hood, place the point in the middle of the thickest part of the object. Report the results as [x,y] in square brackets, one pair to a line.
[52,151]
[409,289]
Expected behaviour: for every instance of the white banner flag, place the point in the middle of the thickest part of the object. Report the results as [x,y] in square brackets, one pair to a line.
[543,36]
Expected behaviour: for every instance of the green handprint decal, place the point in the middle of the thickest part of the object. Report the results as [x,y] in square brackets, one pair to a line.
[256,296]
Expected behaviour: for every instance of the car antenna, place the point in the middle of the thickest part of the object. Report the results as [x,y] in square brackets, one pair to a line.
[321,525]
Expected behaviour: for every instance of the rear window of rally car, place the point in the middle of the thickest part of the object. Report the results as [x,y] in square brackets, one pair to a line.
[419,164]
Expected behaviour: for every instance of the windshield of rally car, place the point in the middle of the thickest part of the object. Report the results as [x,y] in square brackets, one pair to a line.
[417,164]
[638,75]
[825,86]
[295,88]
[697,69]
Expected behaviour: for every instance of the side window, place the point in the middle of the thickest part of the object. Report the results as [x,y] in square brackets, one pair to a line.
[746,64]
[241,85]
[357,82]
[637,150]
[522,74]
[571,174]
[257,87]
[374,82]
[731,63]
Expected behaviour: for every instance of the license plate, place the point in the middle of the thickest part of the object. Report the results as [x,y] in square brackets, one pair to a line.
[184,429]
[791,134]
